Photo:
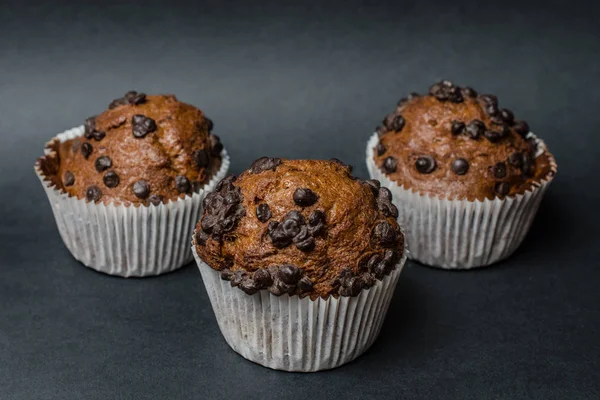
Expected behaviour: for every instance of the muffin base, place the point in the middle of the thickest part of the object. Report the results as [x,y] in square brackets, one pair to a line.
[128,241]
[461,234]
[290,333]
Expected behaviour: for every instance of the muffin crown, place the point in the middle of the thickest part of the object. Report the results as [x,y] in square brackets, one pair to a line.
[302,227]
[456,143]
[142,150]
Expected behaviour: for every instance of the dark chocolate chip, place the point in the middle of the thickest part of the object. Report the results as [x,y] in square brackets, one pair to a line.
[201,158]
[502,188]
[489,99]
[263,212]
[521,127]
[507,116]
[499,170]
[316,222]
[86,150]
[493,136]
[98,135]
[457,128]
[425,164]
[68,178]
[397,123]
[380,149]
[475,128]
[305,284]
[402,102]
[237,278]
[385,234]
[103,163]
[141,189]
[135,98]
[343,164]
[93,193]
[516,159]
[116,103]
[157,199]
[226,274]
[469,92]
[264,164]
[491,109]
[289,274]
[201,237]
[390,164]
[305,197]
[374,185]
[182,184]
[368,280]
[209,124]
[262,278]
[90,127]
[248,286]
[111,179]
[306,245]
[385,194]
[460,166]
[216,147]
[455,95]
[142,125]
[279,238]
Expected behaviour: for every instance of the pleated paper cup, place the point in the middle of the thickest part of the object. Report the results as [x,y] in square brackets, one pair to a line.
[290,333]
[127,240]
[462,234]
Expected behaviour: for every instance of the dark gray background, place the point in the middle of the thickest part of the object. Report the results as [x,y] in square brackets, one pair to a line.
[304,80]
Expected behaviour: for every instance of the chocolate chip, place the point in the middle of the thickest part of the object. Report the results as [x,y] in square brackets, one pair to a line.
[521,127]
[201,237]
[248,286]
[425,164]
[316,222]
[68,178]
[475,128]
[98,135]
[368,280]
[278,237]
[384,203]
[209,124]
[289,274]
[90,127]
[305,284]
[305,197]
[182,184]
[103,163]
[469,92]
[516,159]
[385,234]
[157,199]
[237,278]
[502,188]
[397,123]
[111,179]
[141,189]
[390,164]
[216,147]
[507,116]
[116,103]
[493,136]
[489,99]
[491,109]
[305,245]
[263,212]
[380,149]
[380,130]
[457,128]
[262,278]
[374,185]
[264,164]
[135,98]
[402,102]
[142,125]
[86,150]
[499,170]
[343,164]
[455,95]
[201,158]
[460,166]
[93,193]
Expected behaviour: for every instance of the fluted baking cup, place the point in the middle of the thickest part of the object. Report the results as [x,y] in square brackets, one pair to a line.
[298,334]
[127,240]
[462,234]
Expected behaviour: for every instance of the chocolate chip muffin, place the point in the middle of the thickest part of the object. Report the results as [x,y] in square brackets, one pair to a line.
[301,227]
[297,253]
[469,175]
[142,150]
[127,187]
[456,143]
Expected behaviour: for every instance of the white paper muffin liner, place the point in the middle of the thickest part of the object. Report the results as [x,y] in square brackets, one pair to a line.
[462,234]
[128,241]
[298,334]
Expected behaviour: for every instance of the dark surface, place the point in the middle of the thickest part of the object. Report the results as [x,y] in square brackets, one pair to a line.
[300,81]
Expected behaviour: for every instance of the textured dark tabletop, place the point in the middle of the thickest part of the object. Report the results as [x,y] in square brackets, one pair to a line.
[310,80]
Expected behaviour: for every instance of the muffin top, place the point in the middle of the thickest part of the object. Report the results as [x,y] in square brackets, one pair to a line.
[455,143]
[302,227]
[142,150]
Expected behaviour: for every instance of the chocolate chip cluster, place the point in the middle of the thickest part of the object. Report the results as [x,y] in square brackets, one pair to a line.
[141,126]
[502,123]
[294,228]
[277,279]
[223,210]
